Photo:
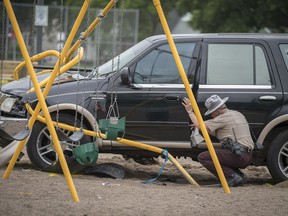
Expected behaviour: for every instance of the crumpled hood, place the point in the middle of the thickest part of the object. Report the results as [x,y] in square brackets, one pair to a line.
[21,86]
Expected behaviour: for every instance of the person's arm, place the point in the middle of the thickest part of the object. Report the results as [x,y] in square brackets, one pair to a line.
[187,104]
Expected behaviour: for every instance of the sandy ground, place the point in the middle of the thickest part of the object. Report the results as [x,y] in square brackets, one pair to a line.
[31,192]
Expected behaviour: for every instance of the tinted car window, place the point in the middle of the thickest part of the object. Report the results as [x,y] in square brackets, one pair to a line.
[284,51]
[237,64]
[125,57]
[159,65]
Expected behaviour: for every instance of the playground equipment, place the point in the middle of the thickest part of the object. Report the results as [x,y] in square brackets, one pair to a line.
[24,133]
[64,57]
[86,154]
[112,125]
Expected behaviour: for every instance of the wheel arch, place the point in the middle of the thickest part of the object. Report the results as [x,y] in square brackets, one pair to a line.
[270,131]
[273,128]
[88,120]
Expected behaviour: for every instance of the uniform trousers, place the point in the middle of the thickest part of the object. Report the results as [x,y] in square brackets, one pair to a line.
[229,161]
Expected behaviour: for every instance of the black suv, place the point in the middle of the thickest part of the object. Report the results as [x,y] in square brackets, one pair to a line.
[250,69]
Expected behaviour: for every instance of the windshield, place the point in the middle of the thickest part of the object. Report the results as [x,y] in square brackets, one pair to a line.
[125,57]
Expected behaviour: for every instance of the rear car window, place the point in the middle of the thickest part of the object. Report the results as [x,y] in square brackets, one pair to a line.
[284,51]
[237,64]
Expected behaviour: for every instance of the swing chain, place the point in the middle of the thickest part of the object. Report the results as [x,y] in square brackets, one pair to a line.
[120,33]
[76,136]
[2,44]
[100,17]
[31,54]
[112,125]
[114,33]
[113,107]
[33,29]
[117,49]
[98,45]
[114,104]
[78,87]
[59,64]
[98,33]
[85,68]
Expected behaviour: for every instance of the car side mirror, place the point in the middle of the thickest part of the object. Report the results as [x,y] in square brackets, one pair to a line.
[125,75]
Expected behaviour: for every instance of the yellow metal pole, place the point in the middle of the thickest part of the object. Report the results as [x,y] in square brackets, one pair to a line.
[62,56]
[34,58]
[159,150]
[130,143]
[50,82]
[41,97]
[90,29]
[53,75]
[48,86]
[181,70]
[64,52]
[65,67]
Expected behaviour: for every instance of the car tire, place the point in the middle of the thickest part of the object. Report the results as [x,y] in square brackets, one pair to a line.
[40,148]
[277,157]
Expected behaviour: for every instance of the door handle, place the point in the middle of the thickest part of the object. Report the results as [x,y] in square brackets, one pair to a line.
[172,98]
[267,98]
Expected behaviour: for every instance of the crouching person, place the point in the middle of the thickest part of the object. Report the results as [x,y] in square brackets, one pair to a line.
[232,130]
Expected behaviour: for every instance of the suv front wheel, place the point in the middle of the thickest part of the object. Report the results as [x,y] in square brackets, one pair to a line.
[40,148]
[277,157]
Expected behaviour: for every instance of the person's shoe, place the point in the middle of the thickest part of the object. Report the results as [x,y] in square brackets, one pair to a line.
[244,177]
[244,180]
[234,180]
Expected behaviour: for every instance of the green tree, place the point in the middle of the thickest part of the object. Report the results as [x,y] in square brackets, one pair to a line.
[237,15]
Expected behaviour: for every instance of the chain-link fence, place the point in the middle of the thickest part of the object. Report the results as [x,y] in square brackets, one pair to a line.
[60,21]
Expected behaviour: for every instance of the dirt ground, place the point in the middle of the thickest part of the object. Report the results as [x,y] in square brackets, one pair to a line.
[31,192]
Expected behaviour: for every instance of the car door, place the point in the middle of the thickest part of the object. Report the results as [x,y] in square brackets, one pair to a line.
[152,102]
[244,71]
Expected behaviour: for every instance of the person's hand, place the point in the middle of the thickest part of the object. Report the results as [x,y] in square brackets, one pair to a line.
[192,127]
[187,104]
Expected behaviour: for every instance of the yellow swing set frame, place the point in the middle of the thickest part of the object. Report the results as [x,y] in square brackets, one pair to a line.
[64,58]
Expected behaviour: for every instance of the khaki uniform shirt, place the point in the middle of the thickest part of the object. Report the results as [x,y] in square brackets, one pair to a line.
[223,125]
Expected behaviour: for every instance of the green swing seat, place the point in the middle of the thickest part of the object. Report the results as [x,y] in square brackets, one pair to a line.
[86,154]
[112,126]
